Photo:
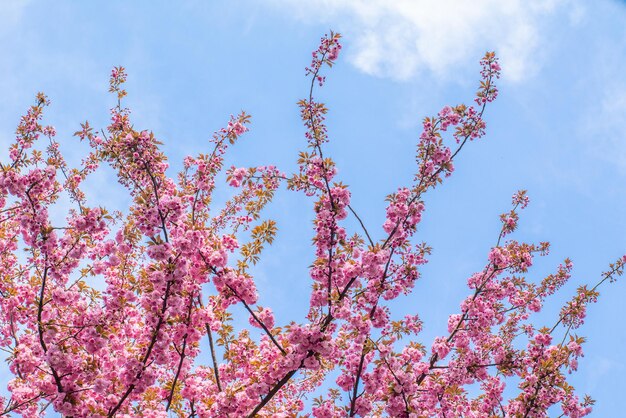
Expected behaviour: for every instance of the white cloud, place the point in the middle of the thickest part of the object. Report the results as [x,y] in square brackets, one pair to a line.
[400,38]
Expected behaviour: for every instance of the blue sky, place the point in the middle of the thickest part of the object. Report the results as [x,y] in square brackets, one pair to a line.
[557,129]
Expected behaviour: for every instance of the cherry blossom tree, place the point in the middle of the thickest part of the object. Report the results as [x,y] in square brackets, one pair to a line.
[173,271]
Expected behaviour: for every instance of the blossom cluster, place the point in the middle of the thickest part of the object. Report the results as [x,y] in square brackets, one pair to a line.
[107,314]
